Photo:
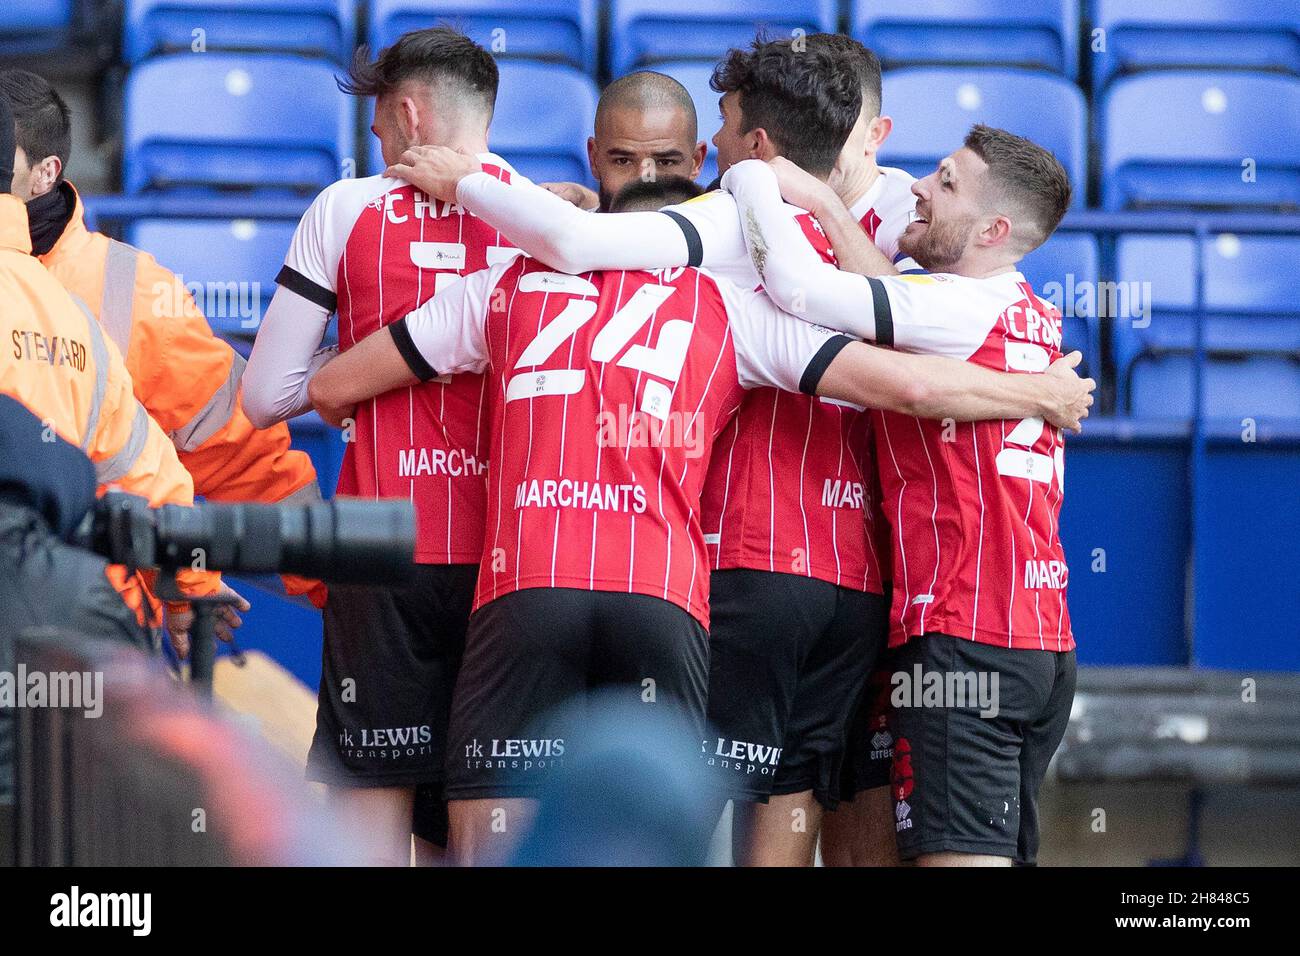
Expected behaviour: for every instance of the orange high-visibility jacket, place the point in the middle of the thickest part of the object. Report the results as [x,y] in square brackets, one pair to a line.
[186,377]
[56,360]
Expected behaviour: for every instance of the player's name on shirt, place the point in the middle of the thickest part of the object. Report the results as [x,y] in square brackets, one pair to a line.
[580,495]
[449,462]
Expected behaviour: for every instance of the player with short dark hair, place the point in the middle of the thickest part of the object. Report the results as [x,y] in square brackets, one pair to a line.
[371,250]
[797,103]
[610,389]
[979,569]
[447,64]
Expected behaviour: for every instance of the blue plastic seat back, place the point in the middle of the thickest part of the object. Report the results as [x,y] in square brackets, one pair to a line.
[1043,34]
[228,265]
[938,105]
[643,32]
[1202,139]
[34,26]
[543,117]
[316,27]
[213,120]
[1259,387]
[563,31]
[1164,34]
[1252,294]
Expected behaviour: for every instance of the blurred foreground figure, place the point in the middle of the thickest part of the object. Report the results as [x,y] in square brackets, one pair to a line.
[46,488]
[630,799]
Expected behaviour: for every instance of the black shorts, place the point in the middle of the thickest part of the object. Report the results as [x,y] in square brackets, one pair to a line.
[967,771]
[788,656]
[531,651]
[389,664]
[869,747]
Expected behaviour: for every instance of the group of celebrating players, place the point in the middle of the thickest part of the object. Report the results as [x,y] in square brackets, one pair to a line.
[758,456]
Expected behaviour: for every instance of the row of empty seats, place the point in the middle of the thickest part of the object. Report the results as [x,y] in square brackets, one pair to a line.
[1122,36]
[1169,139]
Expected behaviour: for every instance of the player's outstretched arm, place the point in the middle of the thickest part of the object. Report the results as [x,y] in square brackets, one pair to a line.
[542,224]
[794,275]
[371,367]
[854,250]
[931,386]
[446,333]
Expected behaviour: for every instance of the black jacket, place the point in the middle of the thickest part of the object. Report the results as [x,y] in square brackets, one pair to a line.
[46,487]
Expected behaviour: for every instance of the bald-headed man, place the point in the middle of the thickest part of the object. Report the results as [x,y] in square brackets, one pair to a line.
[645,128]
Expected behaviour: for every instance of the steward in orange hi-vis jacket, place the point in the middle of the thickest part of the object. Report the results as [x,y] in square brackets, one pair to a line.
[56,360]
[185,377]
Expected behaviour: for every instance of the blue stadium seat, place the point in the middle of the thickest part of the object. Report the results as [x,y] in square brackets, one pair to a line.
[1037,33]
[317,27]
[219,119]
[643,32]
[1264,388]
[1185,138]
[33,26]
[1064,270]
[543,117]
[215,254]
[1252,294]
[939,105]
[1160,34]
[695,77]
[563,31]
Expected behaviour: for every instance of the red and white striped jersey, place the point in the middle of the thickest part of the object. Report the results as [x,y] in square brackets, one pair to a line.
[884,211]
[374,249]
[975,506]
[789,488]
[609,390]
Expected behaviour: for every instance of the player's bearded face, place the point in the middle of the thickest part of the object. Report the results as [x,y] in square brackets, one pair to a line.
[937,242]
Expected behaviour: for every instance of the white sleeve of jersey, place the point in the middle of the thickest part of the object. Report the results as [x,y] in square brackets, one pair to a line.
[793,274]
[284,358]
[285,354]
[565,237]
[938,314]
[711,227]
[774,349]
[450,330]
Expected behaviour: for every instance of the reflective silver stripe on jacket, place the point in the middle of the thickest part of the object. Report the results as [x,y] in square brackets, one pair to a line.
[118,302]
[100,353]
[212,417]
[116,466]
[306,495]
